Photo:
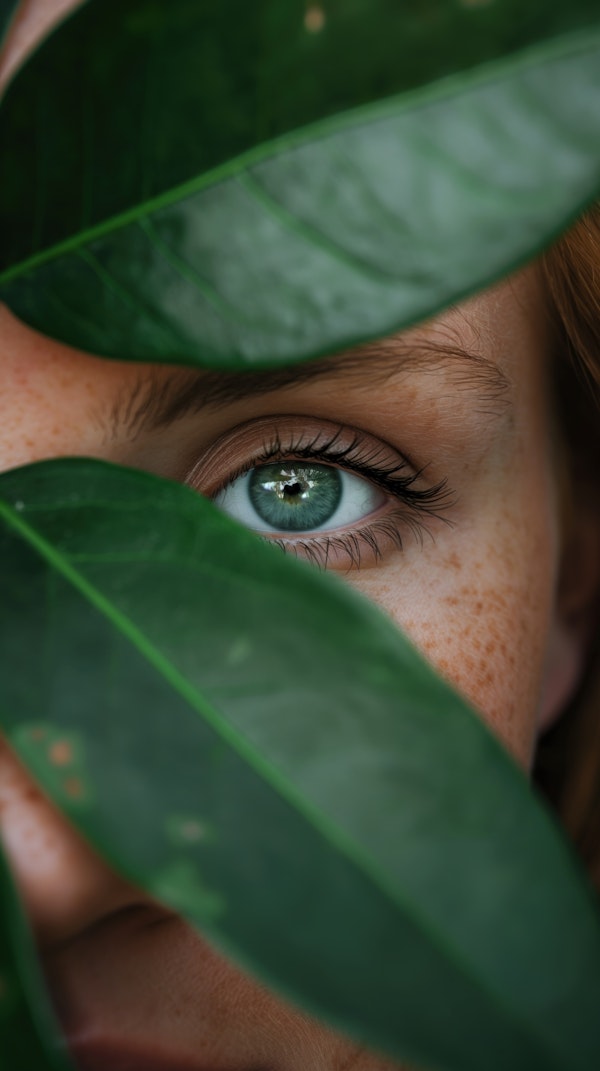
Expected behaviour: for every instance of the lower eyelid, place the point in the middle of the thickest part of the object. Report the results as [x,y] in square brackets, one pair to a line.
[365,546]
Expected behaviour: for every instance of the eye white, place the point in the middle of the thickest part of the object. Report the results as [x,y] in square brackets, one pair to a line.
[358,500]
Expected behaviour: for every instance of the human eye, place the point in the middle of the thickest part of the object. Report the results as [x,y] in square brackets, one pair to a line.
[334,495]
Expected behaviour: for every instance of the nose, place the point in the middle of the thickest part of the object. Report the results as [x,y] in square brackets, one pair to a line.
[65,886]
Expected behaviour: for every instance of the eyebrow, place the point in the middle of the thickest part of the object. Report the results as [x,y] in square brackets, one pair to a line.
[156,401]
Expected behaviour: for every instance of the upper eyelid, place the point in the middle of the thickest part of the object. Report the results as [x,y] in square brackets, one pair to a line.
[244,440]
[327,455]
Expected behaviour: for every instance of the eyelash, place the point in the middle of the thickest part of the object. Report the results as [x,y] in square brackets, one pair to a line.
[414,504]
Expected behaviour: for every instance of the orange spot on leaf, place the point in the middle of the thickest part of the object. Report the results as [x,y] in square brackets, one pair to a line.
[314,19]
[61,753]
[73,787]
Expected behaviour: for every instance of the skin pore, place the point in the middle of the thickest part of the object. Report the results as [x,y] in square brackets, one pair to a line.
[471,569]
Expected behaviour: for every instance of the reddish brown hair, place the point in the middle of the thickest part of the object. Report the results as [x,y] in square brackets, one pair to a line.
[568,766]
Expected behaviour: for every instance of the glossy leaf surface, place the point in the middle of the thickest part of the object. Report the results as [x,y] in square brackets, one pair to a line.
[200,83]
[260,748]
[27,1030]
[141,232]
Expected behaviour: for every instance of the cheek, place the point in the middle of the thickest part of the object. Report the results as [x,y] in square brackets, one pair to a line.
[483,619]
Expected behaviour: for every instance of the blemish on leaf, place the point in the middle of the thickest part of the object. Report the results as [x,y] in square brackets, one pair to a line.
[74,788]
[189,830]
[61,753]
[38,733]
[314,19]
[56,759]
[19,505]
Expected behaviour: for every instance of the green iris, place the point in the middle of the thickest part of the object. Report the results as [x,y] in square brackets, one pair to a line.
[294,496]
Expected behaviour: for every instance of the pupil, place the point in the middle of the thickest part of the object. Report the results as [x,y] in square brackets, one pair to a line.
[295,496]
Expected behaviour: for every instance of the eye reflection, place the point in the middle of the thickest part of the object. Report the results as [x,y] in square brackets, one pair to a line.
[298,496]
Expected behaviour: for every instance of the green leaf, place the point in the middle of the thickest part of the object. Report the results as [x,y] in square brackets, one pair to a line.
[261,749]
[262,193]
[28,1033]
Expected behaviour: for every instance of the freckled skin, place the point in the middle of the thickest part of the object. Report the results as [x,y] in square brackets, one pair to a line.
[482,610]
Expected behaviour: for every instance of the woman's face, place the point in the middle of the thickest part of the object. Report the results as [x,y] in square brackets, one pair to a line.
[470,572]
[447,516]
